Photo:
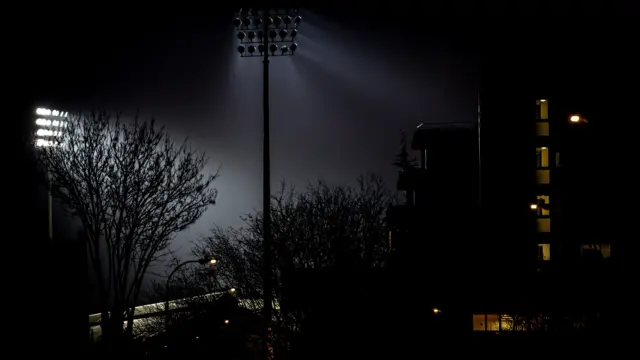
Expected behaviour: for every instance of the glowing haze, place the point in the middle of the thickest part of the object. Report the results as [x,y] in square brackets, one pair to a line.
[337,106]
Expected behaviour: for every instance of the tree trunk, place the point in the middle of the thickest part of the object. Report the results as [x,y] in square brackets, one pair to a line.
[112,334]
[129,332]
[104,325]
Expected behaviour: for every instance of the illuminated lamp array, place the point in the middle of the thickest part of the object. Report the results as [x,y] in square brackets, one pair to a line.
[275,31]
[50,125]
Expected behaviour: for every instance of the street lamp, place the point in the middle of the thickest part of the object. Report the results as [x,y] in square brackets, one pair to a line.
[203,262]
[577,119]
[264,33]
[50,125]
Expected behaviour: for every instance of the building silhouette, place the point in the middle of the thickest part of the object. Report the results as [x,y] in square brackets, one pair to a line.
[528,247]
[433,234]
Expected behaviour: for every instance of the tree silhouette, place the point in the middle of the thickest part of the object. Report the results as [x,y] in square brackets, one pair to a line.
[321,236]
[133,189]
[403,160]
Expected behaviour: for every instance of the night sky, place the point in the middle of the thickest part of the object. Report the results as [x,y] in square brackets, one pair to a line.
[360,76]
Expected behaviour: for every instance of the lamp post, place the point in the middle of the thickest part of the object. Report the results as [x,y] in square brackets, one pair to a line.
[50,124]
[274,32]
[166,287]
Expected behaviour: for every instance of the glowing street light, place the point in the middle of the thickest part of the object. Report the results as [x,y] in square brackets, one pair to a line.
[264,33]
[577,119]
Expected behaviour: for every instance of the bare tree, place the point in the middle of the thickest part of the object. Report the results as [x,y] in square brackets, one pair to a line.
[133,189]
[323,228]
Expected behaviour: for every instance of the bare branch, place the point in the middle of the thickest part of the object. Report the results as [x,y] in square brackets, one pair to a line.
[133,189]
[323,228]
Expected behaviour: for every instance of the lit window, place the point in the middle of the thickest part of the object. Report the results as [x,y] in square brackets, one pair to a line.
[479,322]
[542,129]
[492,322]
[542,208]
[542,109]
[544,252]
[542,157]
[543,225]
[543,176]
[506,322]
[602,251]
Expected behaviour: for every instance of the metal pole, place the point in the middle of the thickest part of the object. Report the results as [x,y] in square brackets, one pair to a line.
[50,210]
[479,156]
[266,190]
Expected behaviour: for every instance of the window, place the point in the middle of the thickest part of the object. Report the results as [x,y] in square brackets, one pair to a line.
[557,159]
[544,252]
[493,322]
[542,208]
[542,129]
[543,176]
[479,322]
[596,251]
[543,225]
[542,109]
[542,157]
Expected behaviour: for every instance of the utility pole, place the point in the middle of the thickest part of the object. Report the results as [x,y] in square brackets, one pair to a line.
[264,27]
[266,191]
[479,156]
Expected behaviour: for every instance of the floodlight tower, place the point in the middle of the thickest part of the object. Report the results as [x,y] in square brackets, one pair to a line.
[264,33]
[50,124]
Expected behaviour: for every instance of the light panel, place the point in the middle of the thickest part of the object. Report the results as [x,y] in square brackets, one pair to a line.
[51,112]
[50,123]
[279,26]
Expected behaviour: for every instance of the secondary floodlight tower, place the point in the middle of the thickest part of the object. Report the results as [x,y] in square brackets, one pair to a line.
[50,125]
[265,33]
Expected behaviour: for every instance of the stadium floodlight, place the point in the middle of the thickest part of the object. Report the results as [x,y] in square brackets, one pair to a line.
[267,31]
[281,26]
[50,125]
